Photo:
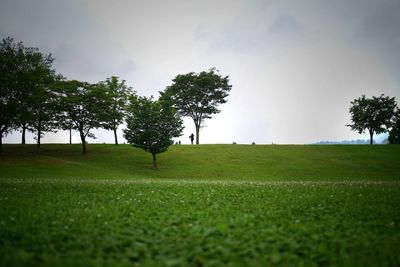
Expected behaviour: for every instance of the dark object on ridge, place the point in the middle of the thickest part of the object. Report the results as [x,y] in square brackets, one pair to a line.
[191,138]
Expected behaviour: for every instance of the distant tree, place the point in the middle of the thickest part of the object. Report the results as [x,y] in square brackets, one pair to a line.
[372,114]
[116,99]
[199,95]
[151,125]
[394,133]
[81,103]
[9,54]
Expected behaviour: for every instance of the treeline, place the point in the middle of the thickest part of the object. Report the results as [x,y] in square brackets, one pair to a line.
[34,98]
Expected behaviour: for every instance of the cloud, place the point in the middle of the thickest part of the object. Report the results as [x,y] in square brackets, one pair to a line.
[294,65]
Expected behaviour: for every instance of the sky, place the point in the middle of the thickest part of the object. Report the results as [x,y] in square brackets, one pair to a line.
[294,66]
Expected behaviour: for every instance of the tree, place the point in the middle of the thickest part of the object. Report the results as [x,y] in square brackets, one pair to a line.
[9,53]
[44,103]
[26,74]
[34,76]
[63,89]
[394,133]
[116,98]
[40,78]
[372,114]
[152,124]
[81,103]
[199,95]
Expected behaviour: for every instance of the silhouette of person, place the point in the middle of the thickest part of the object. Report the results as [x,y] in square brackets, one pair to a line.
[191,138]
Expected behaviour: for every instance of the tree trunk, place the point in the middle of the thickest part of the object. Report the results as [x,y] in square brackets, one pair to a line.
[83,140]
[115,136]
[23,133]
[371,134]
[70,135]
[39,133]
[197,134]
[154,161]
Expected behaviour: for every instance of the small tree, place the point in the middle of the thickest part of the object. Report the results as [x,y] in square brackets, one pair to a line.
[394,133]
[372,114]
[151,125]
[199,95]
[116,99]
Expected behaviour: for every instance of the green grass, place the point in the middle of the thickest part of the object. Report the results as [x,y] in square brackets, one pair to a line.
[242,162]
[211,205]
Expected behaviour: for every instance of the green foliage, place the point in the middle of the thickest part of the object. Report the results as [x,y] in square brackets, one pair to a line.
[151,125]
[394,133]
[116,100]
[81,103]
[82,222]
[27,77]
[9,53]
[199,95]
[372,114]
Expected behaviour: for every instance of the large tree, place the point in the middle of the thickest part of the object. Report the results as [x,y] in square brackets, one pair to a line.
[9,54]
[81,103]
[394,133]
[372,114]
[116,99]
[151,125]
[198,95]
[44,113]
[40,78]
[35,74]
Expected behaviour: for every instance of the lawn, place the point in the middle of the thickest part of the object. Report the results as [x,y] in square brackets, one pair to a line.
[330,206]
[231,162]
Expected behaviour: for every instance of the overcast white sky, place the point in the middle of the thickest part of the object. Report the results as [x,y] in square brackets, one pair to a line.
[294,65]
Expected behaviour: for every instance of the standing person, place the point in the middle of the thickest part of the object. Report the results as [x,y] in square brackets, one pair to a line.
[191,138]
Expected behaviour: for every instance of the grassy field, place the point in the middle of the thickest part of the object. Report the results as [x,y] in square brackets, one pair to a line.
[209,205]
[232,162]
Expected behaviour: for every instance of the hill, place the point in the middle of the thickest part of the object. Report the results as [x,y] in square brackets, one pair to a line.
[233,162]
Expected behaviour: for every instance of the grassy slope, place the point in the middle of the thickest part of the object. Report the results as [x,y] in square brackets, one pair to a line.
[244,162]
[75,221]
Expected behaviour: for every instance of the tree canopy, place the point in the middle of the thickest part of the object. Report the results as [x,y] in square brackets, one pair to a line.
[372,114]
[116,94]
[9,52]
[151,125]
[81,104]
[198,95]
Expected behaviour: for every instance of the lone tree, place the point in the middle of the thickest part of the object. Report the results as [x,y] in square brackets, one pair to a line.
[199,95]
[151,124]
[116,99]
[372,114]
[394,133]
